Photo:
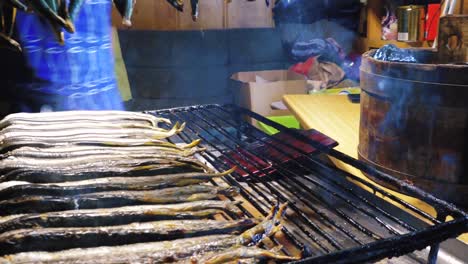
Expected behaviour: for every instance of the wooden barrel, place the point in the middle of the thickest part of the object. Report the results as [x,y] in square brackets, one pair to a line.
[414,123]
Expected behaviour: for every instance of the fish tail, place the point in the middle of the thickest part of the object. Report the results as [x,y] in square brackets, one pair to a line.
[156,120]
[137,126]
[237,253]
[181,127]
[281,211]
[192,151]
[274,253]
[194,143]
[268,227]
[231,170]
[175,129]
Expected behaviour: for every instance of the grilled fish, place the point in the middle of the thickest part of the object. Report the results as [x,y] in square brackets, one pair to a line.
[155,252]
[65,135]
[77,125]
[54,239]
[60,170]
[119,216]
[56,125]
[80,151]
[149,252]
[80,116]
[59,176]
[16,142]
[13,162]
[15,189]
[40,204]
[237,253]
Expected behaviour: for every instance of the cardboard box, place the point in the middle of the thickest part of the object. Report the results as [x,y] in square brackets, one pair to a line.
[257,90]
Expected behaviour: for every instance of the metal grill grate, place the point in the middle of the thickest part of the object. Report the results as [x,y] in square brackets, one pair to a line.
[329,218]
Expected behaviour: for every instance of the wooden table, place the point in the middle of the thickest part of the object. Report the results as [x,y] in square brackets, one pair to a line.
[338,118]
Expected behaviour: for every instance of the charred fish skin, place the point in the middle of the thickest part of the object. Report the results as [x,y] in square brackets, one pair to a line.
[155,252]
[55,239]
[98,162]
[28,221]
[41,204]
[58,176]
[238,253]
[107,184]
[120,215]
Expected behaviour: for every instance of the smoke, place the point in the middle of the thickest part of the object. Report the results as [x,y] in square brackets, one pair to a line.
[304,20]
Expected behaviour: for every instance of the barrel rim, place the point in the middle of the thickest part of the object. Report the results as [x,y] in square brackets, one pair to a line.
[368,55]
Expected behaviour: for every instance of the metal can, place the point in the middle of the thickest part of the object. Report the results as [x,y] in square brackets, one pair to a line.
[411,20]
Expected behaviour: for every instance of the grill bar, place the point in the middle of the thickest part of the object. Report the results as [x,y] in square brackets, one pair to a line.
[245,193]
[333,170]
[440,204]
[283,172]
[328,217]
[266,198]
[368,203]
[296,188]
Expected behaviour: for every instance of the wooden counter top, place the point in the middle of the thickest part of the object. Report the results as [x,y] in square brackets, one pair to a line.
[338,118]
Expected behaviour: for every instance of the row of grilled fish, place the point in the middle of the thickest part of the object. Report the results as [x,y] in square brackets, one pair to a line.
[191,241]
[106,187]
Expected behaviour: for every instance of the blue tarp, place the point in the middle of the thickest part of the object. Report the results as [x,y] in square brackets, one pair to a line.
[77,75]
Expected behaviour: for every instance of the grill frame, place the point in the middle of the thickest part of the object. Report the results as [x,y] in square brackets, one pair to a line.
[197,120]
